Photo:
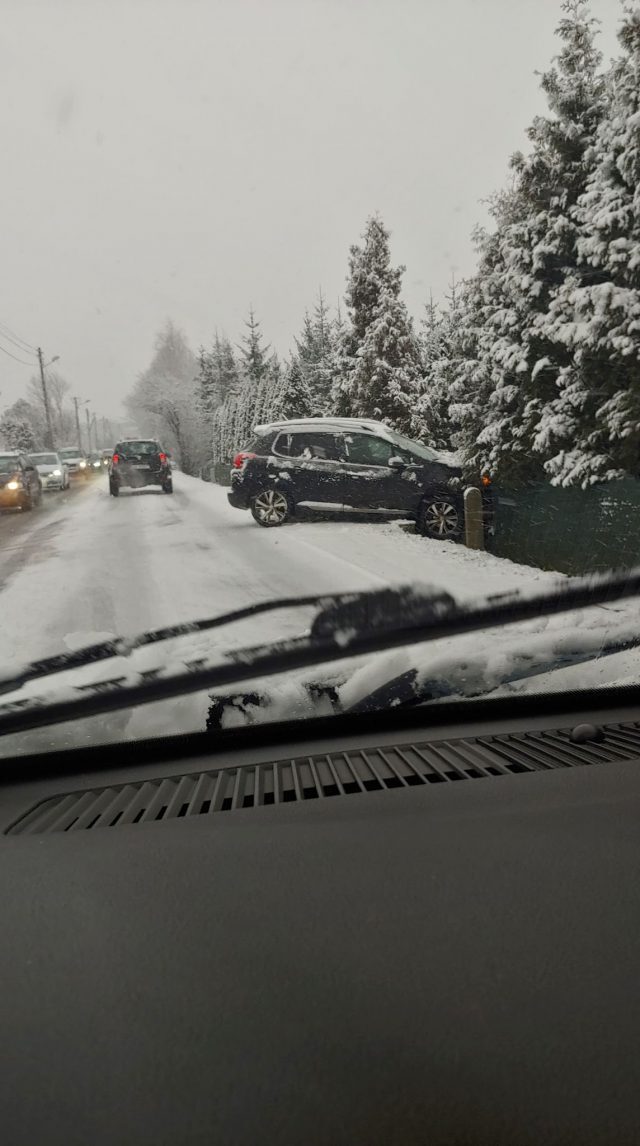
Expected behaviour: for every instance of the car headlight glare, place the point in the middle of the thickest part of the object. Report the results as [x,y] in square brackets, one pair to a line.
[13,485]
[83,465]
[56,473]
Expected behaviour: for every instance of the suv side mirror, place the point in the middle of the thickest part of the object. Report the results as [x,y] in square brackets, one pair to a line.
[397,463]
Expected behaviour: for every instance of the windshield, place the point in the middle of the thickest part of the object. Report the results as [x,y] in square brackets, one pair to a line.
[137,448]
[45,459]
[414,450]
[311,299]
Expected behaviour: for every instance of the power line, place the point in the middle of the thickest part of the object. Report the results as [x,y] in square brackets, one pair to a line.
[10,355]
[13,342]
[11,334]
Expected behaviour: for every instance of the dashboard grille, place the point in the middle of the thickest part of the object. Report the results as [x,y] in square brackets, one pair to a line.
[324,776]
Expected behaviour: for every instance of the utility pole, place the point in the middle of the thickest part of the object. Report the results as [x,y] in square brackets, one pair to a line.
[75,402]
[45,397]
[88,429]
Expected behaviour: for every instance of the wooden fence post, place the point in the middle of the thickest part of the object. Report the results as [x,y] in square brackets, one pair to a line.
[473,519]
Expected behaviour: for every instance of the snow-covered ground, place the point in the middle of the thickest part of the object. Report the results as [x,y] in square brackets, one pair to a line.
[95,567]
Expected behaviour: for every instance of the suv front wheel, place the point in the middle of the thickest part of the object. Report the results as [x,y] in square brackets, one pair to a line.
[270,507]
[440,517]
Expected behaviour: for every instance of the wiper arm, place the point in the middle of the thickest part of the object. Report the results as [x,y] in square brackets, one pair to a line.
[404,691]
[384,619]
[124,646]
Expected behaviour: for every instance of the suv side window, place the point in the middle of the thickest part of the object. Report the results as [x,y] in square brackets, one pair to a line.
[368,450]
[308,445]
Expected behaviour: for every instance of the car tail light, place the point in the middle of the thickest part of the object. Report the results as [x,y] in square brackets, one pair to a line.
[241,458]
[163,458]
[115,459]
[486,480]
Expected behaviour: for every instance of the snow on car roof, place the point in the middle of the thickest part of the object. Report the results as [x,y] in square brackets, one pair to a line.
[321,423]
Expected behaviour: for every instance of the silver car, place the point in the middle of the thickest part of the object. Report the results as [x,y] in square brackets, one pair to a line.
[54,474]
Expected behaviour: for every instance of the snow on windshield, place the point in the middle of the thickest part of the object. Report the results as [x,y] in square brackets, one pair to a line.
[434,321]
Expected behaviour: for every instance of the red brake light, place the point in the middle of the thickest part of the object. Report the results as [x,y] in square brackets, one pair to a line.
[163,458]
[241,458]
[115,459]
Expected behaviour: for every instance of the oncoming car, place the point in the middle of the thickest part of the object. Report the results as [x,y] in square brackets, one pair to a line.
[20,485]
[139,462]
[53,471]
[349,466]
[75,461]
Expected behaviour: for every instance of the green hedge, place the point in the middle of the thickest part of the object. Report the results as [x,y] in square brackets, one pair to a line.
[571,530]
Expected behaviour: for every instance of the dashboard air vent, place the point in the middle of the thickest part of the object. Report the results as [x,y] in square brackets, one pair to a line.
[324,776]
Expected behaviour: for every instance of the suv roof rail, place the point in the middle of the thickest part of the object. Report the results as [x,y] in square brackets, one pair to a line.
[319,423]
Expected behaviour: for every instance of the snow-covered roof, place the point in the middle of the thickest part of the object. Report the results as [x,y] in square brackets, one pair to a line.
[323,423]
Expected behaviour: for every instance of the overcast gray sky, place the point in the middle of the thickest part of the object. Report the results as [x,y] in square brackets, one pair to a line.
[176,158]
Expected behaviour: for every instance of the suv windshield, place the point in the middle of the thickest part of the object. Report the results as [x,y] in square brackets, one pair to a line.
[374,326]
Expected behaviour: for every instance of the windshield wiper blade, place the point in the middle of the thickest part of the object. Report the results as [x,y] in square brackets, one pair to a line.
[404,691]
[124,646]
[416,617]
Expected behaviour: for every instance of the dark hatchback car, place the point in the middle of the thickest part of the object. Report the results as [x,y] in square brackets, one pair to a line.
[348,466]
[139,462]
[20,485]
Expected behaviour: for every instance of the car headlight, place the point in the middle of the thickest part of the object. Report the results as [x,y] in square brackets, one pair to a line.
[83,465]
[13,485]
[56,473]
[96,465]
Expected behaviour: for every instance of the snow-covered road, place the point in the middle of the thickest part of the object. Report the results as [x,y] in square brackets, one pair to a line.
[88,566]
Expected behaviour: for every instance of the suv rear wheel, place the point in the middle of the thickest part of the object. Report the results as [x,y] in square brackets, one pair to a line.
[440,517]
[270,508]
[167,486]
[114,488]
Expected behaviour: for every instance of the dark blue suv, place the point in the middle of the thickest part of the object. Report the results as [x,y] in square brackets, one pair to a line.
[348,466]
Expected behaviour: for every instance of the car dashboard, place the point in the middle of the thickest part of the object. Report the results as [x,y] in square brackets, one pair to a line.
[398,929]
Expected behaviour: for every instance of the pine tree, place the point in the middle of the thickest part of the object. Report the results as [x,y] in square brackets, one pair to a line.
[295,399]
[518,360]
[441,352]
[314,351]
[254,356]
[218,375]
[594,422]
[381,359]
[339,402]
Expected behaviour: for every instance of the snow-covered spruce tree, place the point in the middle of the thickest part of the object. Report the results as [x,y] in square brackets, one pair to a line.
[339,404]
[218,375]
[594,422]
[380,367]
[440,345]
[254,355]
[518,362]
[314,351]
[295,399]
